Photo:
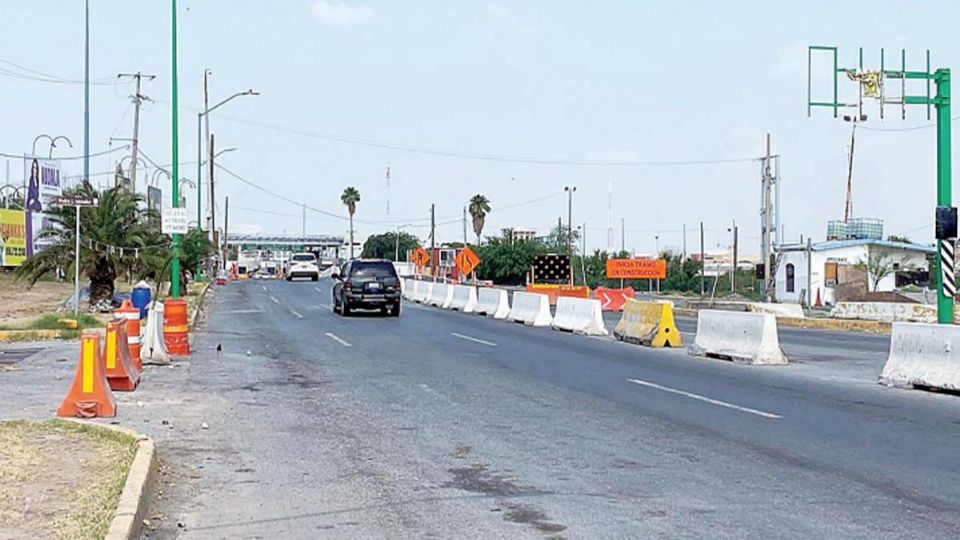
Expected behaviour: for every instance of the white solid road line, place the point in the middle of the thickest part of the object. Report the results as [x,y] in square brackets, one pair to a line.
[338,340]
[473,339]
[299,316]
[264,287]
[275,301]
[705,399]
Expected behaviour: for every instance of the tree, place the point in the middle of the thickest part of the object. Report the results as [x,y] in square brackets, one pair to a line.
[112,235]
[880,263]
[350,198]
[559,237]
[385,246]
[479,207]
[507,261]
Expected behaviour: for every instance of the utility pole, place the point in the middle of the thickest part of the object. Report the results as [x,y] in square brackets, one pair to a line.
[175,152]
[767,225]
[583,254]
[623,241]
[733,271]
[809,273]
[396,253]
[570,191]
[138,99]
[433,241]
[683,256]
[464,225]
[303,221]
[848,205]
[703,263]
[86,154]
[209,139]
[211,199]
[226,223]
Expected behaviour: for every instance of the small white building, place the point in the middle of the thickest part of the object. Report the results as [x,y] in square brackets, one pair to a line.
[835,263]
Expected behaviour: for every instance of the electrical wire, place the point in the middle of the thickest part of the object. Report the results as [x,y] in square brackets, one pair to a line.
[69,158]
[40,76]
[912,128]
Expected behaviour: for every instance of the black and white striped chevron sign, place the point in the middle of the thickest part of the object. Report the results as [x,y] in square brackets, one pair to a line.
[947,264]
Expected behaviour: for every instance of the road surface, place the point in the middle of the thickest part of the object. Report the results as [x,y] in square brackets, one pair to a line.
[448,425]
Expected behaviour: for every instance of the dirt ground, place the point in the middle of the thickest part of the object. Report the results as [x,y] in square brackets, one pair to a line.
[60,480]
[18,303]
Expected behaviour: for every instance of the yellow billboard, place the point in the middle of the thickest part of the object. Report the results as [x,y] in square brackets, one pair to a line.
[13,237]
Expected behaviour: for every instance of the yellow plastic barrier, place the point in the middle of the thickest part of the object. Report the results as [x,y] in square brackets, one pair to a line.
[648,323]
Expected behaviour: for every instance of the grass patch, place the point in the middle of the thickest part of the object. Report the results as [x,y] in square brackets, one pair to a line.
[56,321]
[73,472]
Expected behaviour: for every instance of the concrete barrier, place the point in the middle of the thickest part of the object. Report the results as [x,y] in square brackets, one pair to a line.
[648,323]
[493,303]
[746,338]
[424,292]
[441,295]
[153,350]
[885,311]
[531,308]
[779,310]
[579,315]
[409,289]
[924,355]
[464,298]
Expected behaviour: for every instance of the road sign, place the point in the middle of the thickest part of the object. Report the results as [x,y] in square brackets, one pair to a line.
[467,260]
[636,268]
[174,221]
[75,200]
[420,257]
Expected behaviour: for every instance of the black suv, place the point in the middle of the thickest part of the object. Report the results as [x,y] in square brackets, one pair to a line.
[367,284]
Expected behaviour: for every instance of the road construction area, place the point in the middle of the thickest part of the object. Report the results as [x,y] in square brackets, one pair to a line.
[289,421]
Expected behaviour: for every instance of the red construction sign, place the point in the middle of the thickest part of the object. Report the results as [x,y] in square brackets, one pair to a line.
[467,261]
[420,257]
[636,268]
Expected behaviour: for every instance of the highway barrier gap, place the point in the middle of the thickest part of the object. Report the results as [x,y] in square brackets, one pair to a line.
[746,338]
[648,323]
[531,308]
[923,355]
[493,303]
[579,315]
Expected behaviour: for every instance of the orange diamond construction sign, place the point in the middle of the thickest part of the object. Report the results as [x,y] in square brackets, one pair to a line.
[467,260]
[420,257]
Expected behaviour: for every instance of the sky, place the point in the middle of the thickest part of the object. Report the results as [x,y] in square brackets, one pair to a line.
[513,100]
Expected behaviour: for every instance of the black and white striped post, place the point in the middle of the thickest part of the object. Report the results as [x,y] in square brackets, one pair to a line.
[947,266]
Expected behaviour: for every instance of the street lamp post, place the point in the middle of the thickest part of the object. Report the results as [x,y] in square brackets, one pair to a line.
[570,191]
[200,116]
[175,161]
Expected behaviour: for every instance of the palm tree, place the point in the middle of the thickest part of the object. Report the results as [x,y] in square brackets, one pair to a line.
[479,206]
[112,235]
[350,198]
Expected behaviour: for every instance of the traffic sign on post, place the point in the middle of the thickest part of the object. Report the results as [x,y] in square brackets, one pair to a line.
[467,261]
[420,257]
[174,221]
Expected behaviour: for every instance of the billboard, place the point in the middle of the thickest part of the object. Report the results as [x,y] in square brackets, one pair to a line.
[42,177]
[636,268]
[154,199]
[13,237]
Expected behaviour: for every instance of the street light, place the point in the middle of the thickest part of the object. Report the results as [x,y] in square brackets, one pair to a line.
[53,143]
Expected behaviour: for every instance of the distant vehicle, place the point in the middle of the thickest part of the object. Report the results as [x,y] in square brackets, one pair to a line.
[303,265]
[367,284]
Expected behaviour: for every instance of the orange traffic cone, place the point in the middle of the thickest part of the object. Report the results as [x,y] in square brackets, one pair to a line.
[90,394]
[131,316]
[818,303]
[122,374]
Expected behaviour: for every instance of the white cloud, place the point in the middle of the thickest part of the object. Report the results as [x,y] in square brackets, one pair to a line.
[339,13]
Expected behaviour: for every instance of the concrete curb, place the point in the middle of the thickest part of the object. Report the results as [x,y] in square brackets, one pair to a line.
[10,336]
[203,294]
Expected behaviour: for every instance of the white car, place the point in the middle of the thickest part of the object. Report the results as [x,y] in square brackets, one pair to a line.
[303,265]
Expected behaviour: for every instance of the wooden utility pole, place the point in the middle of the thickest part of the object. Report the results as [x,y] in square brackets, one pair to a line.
[733,272]
[226,223]
[703,263]
[138,99]
[433,241]
[211,198]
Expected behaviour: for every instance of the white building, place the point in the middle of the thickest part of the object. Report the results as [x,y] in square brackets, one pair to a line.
[836,262]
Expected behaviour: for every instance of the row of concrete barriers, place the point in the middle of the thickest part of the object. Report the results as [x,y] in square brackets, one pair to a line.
[579,315]
[921,355]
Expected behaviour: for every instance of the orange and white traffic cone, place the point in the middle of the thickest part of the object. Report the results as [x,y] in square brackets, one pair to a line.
[131,316]
[122,374]
[90,394]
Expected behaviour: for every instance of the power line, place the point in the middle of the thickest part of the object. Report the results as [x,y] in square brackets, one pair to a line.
[40,76]
[912,128]
[346,139]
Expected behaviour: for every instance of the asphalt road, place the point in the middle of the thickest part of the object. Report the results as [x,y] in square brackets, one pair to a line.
[447,425]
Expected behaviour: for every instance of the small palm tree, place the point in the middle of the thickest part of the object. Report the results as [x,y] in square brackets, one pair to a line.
[116,222]
[350,198]
[479,207]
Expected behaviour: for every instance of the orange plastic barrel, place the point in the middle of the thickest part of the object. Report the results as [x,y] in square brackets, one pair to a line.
[131,316]
[175,327]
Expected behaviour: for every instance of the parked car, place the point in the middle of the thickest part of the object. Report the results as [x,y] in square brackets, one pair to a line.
[367,284]
[303,265]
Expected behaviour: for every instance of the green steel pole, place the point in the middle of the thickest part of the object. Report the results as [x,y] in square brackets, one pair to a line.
[944,181]
[175,265]
[199,183]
